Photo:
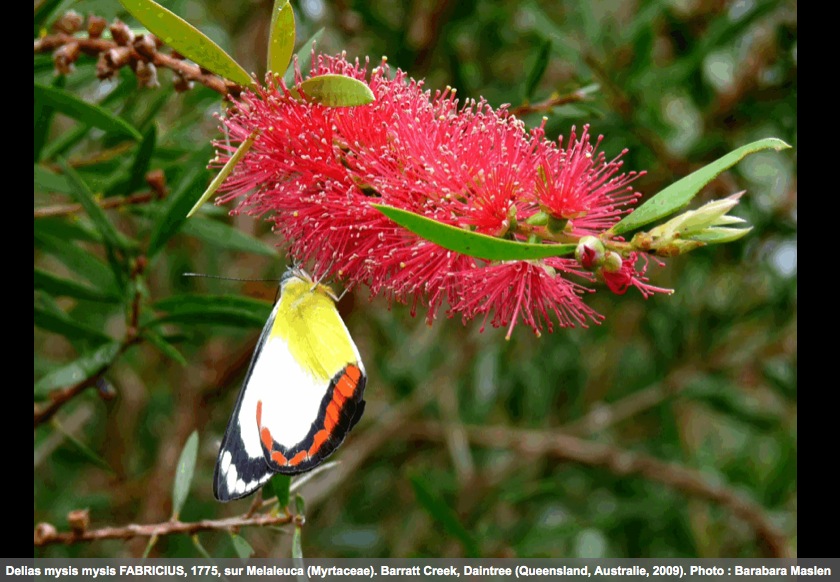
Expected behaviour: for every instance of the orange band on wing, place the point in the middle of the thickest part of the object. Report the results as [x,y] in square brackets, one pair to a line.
[298,458]
[320,438]
[346,385]
[278,458]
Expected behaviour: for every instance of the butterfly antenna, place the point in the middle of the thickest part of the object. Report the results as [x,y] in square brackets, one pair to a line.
[223,278]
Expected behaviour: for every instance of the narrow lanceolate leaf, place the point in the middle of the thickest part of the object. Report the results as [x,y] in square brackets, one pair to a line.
[279,486]
[82,448]
[297,547]
[281,38]
[175,208]
[471,243]
[142,160]
[79,261]
[86,366]
[43,115]
[61,287]
[224,172]
[304,58]
[233,310]
[242,547]
[186,39]
[184,474]
[84,196]
[538,70]
[64,325]
[48,181]
[87,113]
[680,193]
[224,236]
[441,512]
[164,346]
[336,91]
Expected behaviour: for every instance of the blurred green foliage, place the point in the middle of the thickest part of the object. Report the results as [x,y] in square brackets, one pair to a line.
[704,379]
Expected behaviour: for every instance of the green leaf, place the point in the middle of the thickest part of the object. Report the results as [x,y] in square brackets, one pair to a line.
[224,236]
[84,196]
[184,474]
[241,546]
[224,172]
[300,504]
[164,346]
[77,260]
[472,244]
[444,515]
[82,448]
[680,193]
[42,13]
[336,91]
[87,113]
[186,39]
[297,546]
[49,181]
[87,365]
[538,70]
[64,142]
[231,310]
[198,546]
[304,58]
[63,324]
[142,160]
[174,209]
[279,486]
[281,38]
[43,115]
[66,229]
[61,287]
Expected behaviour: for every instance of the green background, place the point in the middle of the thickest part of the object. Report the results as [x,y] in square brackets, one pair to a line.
[458,453]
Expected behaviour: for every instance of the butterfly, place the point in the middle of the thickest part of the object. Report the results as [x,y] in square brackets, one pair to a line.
[302,394]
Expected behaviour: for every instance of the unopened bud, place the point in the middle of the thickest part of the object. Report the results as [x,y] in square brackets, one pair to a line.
[612,262]
[118,56]
[70,22]
[538,219]
[147,74]
[556,225]
[145,46]
[79,520]
[104,68]
[44,532]
[693,229]
[182,84]
[96,26]
[121,33]
[590,252]
[156,180]
[64,57]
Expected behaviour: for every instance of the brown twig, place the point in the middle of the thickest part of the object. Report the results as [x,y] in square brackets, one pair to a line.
[59,398]
[107,203]
[46,534]
[122,55]
[622,462]
[549,103]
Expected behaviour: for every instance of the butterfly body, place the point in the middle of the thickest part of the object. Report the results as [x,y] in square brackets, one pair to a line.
[302,394]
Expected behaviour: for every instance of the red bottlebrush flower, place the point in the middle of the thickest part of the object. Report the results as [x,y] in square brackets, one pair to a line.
[579,185]
[315,171]
[526,291]
[628,275]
